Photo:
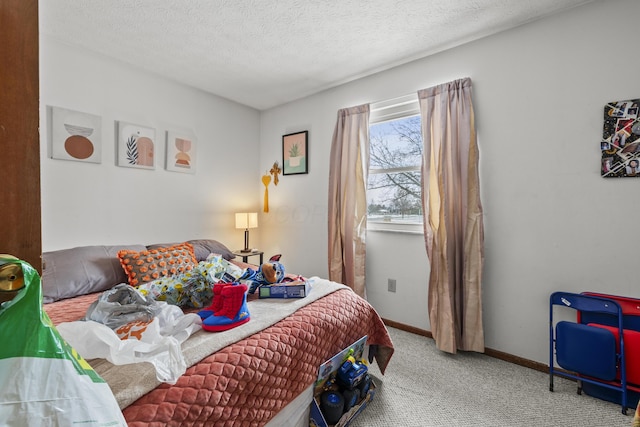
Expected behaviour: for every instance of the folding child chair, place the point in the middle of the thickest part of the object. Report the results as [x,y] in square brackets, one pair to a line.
[588,353]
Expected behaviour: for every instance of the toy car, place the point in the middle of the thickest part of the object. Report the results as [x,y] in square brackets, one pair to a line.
[351,373]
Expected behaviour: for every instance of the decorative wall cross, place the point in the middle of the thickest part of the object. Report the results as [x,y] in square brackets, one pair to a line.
[275,171]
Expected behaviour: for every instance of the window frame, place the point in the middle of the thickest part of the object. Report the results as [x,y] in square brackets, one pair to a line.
[385,111]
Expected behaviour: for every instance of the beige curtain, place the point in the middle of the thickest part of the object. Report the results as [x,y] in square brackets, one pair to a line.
[453,226]
[348,170]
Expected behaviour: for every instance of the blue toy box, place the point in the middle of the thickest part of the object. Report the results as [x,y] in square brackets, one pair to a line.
[296,289]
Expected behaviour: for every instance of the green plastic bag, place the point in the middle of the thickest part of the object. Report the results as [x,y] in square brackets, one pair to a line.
[43,380]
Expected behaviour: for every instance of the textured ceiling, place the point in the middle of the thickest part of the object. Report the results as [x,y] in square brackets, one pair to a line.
[264,53]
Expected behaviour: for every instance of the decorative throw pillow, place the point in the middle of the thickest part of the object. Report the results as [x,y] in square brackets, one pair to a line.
[145,266]
[202,248]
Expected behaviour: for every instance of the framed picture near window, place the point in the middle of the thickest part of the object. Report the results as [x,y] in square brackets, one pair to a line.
[295,158]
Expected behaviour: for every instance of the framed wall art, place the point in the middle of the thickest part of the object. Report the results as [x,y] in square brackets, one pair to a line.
[295,159]
[75,135]
[181,152]
[620,145]
[136,146]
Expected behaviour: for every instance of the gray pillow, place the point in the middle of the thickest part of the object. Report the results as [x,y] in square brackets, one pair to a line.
[83,270]
[202,248]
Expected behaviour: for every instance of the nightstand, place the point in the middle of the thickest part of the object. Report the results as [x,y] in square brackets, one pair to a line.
[246,255]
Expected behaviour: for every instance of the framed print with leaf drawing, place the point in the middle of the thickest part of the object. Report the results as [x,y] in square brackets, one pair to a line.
[295,159]
[181,152]
[136,146]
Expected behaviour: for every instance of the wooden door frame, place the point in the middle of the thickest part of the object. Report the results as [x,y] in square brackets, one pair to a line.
[20,205]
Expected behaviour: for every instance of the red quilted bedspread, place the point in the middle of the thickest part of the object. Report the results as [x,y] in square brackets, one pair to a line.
[247,383]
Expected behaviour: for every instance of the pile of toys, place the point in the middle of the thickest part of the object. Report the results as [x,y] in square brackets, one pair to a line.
[344,391]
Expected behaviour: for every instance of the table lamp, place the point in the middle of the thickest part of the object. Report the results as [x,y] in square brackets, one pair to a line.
[246,221]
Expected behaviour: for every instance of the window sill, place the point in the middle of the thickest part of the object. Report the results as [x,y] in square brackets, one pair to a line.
[395,230]
[395,227]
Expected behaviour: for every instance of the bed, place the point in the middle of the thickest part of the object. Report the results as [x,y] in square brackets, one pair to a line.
[260,374]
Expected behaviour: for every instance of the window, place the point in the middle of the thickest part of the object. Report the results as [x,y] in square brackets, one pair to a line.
[393,189]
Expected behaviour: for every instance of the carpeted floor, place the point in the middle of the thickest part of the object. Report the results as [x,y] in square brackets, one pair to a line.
[425,387]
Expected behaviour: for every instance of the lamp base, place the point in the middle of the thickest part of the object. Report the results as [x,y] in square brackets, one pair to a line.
[246,249]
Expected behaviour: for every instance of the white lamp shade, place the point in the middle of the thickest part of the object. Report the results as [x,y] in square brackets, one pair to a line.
[247,220]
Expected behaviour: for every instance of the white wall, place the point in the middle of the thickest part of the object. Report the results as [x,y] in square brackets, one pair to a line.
[88,203]
[551,222]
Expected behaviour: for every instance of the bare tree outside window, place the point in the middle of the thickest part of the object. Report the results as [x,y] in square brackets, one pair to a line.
[394,173]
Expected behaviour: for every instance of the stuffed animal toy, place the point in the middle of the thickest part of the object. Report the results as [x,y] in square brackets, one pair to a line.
[267,274]
[272,272]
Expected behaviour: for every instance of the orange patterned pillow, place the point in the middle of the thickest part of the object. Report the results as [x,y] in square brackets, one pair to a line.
[145,266]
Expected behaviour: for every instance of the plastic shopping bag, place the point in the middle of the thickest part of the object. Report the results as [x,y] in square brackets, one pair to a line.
[121,305]
[43,380]
[157,341]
